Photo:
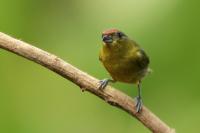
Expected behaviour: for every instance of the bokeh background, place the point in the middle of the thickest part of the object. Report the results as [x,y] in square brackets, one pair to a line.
[36,100]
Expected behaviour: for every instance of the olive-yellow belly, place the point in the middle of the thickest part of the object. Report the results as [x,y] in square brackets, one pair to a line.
[125,71]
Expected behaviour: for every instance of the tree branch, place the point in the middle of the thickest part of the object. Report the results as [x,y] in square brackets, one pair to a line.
[83,80]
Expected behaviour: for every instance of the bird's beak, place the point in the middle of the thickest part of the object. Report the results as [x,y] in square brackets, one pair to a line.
[107,39]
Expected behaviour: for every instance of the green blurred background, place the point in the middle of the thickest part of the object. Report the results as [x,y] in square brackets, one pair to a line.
[36,100]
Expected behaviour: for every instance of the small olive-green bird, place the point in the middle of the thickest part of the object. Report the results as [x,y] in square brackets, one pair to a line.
[124,60]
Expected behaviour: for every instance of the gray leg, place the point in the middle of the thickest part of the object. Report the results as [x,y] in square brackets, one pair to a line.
[139,99]
[104,83]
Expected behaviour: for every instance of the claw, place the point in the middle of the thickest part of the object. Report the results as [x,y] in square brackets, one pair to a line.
[138,104]
[103,83]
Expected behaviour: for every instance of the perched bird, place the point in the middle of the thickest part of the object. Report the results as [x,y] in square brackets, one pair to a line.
[124,60]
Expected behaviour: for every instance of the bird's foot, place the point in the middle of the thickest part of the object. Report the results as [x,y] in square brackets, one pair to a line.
[103,83]
[138,105]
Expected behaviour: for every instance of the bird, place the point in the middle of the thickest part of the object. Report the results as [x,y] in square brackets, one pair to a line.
[124,60]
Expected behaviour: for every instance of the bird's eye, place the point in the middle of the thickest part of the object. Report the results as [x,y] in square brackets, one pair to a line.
[120,34]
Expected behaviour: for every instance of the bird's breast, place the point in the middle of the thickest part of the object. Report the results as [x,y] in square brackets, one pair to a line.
[122,69]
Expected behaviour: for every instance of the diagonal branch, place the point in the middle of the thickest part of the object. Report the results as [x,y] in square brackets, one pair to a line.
[83,80]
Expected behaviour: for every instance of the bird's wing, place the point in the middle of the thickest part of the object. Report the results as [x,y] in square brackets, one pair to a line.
[100,58]
[139,59]
[142,60]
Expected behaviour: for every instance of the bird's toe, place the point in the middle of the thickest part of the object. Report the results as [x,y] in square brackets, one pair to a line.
[138,104]
[103,83]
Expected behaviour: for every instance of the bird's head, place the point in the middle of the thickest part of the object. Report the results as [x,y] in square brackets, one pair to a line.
[113,36]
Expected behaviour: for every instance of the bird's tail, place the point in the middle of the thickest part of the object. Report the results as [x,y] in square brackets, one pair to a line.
[149,71]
